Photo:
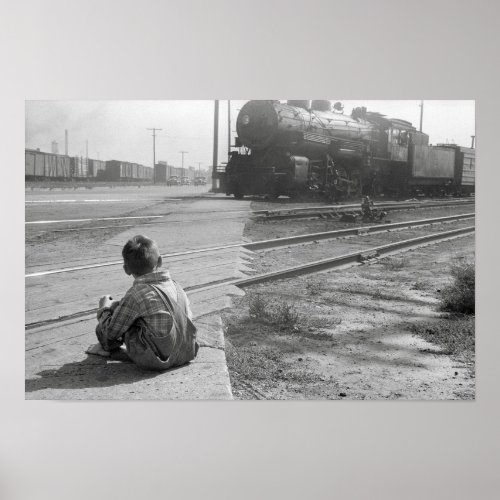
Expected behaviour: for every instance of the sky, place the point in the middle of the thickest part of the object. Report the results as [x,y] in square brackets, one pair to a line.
[118,129]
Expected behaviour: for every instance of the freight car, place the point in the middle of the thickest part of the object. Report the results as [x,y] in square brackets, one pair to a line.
[79,167]
[164,172]
[464,168]
[39,165]
[97,169]
[126,171]
[302,147]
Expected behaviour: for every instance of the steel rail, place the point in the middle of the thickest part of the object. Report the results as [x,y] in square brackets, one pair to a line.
[351,258]
[309,268]
[269,214]
[458,201]
[277,242]
[355,231]
[303,213]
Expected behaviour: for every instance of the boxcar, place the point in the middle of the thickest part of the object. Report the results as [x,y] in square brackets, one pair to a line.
[468,178]
[57,166]
[38,164]
[79,167]
[29,163]
[465,168]
[96,168]
[161,172]
[113,170]
[148,173]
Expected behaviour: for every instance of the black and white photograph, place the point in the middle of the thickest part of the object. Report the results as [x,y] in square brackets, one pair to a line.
[252,253]
[256,250]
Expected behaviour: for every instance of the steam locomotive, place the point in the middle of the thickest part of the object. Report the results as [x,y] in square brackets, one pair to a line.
[301,147]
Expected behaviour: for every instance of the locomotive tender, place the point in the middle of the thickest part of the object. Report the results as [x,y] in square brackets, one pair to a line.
[299,147]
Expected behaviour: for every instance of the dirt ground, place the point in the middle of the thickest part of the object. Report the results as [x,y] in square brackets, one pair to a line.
[349,334]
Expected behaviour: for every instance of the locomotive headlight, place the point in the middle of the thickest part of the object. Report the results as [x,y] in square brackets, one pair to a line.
[245,119]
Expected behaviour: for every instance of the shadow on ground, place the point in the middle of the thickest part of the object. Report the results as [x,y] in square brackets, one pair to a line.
[92,372]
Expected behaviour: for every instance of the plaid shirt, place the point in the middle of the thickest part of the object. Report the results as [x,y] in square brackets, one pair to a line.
[141,301]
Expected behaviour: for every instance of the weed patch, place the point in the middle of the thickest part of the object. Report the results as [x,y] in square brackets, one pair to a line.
[395,263]
[281,315]
[257,307]
[456,335]
[460,296]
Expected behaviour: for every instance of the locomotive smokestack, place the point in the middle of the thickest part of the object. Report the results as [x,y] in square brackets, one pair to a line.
[321,105]
[473,137]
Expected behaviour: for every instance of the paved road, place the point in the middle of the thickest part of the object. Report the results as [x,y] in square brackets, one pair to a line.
[56,366]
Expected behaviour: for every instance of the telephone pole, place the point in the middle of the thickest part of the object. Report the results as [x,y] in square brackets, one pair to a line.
[154,151]
[199,168]
[182,166]
[216,145]
[228,130]
[421,114]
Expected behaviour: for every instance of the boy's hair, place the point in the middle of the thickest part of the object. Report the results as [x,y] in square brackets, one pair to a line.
[141,255]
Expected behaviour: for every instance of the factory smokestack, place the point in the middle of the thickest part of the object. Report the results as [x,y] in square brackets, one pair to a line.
[66,142]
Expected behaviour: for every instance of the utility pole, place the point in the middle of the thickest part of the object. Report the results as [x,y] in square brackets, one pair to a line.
[154,151]
[421,114]
[199,168]
[228,130]
[182,166]
[216,145]
[87,153]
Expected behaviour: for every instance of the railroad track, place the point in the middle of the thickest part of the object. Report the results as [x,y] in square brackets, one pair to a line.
[352,258]
[262,215]
[349,259]
[277,242]
[337,210]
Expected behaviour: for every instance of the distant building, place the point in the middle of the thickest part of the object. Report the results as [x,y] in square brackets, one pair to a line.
[55,148]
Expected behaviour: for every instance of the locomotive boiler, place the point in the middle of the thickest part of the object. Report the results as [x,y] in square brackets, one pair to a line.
[309,147]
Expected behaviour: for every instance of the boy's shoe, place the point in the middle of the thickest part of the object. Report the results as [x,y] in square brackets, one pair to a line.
[98,350]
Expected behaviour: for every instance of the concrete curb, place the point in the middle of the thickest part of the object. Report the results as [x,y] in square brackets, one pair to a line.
[60,369]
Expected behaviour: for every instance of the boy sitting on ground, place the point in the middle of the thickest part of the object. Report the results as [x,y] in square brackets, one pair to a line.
[153,319]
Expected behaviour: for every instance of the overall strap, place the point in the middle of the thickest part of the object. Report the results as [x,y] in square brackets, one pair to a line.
[181,299]
[171,305]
